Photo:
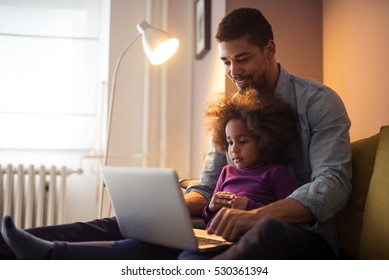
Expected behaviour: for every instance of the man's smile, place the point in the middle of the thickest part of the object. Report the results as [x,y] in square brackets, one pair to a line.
[242,83]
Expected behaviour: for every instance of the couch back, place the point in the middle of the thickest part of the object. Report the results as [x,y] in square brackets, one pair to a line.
[364,223]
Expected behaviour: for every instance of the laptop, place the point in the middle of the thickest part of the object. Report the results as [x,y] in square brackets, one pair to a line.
[150,207]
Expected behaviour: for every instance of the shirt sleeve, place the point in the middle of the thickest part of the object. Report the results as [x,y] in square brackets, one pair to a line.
[212,167]
[329,155]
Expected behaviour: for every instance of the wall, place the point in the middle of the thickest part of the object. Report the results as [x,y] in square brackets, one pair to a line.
[179,90]
[151,116]
[127,118]
[208,79]
[356,43]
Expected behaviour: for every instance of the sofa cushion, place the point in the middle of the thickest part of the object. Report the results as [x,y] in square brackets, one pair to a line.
[375,229]
[350,218]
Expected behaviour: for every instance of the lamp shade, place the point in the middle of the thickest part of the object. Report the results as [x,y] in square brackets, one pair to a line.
[158,45]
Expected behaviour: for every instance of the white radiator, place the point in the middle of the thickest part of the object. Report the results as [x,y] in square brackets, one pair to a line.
[33,196]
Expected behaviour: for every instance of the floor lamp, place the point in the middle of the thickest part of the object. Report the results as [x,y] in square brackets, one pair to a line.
[158,46]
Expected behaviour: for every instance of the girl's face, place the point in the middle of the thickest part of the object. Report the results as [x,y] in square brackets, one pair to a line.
[243,147]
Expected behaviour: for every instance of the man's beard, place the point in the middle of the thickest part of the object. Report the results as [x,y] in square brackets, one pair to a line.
[253,85]
[244,90]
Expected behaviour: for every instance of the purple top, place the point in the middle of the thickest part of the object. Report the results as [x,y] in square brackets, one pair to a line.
[261,185]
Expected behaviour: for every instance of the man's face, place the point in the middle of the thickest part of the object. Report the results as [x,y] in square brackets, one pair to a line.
[245,64]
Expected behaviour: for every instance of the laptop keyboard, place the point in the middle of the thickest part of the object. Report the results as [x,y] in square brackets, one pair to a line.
[207,241]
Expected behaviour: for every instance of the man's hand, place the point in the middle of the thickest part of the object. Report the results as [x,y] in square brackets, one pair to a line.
[232,223]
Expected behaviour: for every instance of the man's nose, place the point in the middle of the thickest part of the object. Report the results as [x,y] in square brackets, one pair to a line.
[235,69]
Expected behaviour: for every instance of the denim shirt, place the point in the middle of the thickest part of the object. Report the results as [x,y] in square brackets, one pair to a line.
[322,168]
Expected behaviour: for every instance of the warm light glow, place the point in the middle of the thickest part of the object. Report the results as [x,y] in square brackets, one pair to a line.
[158,45]
[164,51]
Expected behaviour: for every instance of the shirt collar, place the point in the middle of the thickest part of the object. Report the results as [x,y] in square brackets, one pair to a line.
[282,83]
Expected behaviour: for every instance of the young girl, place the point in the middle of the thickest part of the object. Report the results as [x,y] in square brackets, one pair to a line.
[260,134]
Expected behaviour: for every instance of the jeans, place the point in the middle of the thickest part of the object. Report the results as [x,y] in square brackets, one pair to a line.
[96,230]
[269,239]
[272,240]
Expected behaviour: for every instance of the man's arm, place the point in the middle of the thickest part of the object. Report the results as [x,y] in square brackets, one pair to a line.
[232,223]
[289,211]
[329,156]
[196,203]
[199,193]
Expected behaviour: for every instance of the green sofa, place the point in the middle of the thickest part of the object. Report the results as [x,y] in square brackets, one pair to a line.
[364,223]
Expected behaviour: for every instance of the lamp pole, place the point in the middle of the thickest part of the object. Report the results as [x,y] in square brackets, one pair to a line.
[112,95]
[159,47]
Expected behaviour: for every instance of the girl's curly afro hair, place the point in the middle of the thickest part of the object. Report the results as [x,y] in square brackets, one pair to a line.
[268,118]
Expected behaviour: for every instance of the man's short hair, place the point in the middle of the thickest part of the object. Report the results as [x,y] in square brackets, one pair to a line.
[245,22]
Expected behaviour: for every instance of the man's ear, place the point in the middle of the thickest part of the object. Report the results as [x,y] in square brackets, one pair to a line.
[270,49]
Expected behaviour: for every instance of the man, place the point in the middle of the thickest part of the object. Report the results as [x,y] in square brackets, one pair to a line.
[301,226]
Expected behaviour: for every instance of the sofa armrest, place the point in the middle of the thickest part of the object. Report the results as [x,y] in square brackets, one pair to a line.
[184,183]
[197,222]
[375,229]
[350,218]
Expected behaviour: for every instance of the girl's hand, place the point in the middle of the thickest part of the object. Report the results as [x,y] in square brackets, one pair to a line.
[220,200]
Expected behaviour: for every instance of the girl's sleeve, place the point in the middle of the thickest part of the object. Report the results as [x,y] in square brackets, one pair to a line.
[284,184]
[207,214]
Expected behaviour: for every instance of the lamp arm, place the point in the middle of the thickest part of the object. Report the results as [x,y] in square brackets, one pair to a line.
[112,95]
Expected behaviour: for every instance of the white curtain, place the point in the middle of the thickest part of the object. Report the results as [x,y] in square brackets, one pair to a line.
[49,74]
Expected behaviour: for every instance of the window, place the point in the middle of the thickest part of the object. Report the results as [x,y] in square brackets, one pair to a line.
[49,73]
